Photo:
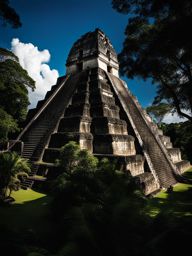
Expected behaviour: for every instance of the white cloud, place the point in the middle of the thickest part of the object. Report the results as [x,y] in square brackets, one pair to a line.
[33,60]
[174,118]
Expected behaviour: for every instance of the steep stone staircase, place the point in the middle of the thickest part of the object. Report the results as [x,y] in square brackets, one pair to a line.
[45,118]
[74,124]
[157,153]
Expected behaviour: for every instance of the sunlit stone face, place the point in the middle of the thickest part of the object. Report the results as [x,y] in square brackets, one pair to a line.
[125,148]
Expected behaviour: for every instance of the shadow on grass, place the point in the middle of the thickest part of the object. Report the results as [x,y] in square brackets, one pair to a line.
[176,203]
[188,174]
[29,218]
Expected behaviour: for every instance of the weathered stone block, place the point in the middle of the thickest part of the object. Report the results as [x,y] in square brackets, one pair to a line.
[105,125]
[100,98]
[99,85]
[75,124]
[183,165]
[166,141]
[78,110]
[148,183]
[122,145]
[105,110]
[60,139]
[175,154]
[135,164]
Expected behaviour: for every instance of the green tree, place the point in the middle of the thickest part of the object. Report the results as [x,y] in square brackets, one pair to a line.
[158,45]
[157,112]
[14,82]
[7,125]
[98,209]
[12,169]
[9,15]
[69,156]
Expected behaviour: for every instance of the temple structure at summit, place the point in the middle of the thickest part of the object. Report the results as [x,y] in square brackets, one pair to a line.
[94,107]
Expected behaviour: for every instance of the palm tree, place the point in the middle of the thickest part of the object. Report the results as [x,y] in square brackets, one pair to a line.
[12,169]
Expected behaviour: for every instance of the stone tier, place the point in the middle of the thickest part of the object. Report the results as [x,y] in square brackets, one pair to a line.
[148,183]
[99,97]
[60,139]
[80,98]
[166,141]
[75,124]
[105,110]
[99,84]
[94,79]
[175,154]
[114,144]
[135,164]
[78,110]
[105,125]
[98,71]
[183,165]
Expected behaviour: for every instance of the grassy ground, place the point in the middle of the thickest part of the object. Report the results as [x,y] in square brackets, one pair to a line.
[177,203]
[29,213]
[24,196]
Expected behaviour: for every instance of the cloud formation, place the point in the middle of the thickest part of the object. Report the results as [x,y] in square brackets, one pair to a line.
[33,60]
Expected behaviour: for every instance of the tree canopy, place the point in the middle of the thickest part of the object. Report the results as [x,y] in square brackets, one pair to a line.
[9,15]
[14,82]
[158,45]
[94,204]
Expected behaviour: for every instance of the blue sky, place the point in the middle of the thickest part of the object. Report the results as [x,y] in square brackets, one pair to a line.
[56,25]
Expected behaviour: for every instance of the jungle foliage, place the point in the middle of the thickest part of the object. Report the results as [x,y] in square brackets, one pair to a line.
[158,45]
[14,84]
[12,169]
[8,15]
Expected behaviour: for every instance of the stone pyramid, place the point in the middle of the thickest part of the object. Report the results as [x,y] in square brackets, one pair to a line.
[93,106]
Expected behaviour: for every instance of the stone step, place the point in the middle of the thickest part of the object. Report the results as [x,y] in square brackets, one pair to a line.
[159,159]
[75,124]
[183,165]
[135,164]
[147,182]
[175,154]
[108,125]
[116,144]
[59,139]
[99,98]
[78,110]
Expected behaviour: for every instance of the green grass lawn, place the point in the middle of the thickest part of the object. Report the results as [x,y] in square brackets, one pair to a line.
[29,213]
[23,196]
[177,203]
